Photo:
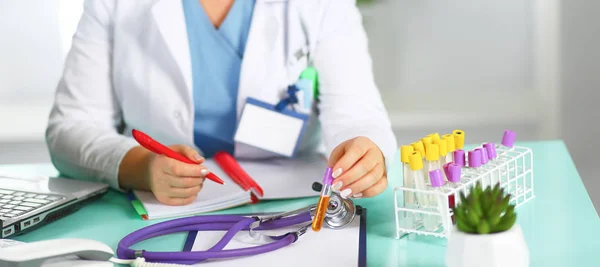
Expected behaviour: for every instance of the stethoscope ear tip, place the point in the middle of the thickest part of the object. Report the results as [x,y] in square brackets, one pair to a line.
[317,186]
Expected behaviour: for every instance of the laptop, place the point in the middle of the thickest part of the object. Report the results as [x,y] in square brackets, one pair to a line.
[27,203]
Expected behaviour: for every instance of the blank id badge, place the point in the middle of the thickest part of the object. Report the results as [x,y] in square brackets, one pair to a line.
[263,126]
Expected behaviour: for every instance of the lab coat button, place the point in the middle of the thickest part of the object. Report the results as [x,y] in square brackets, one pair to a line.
[177,114]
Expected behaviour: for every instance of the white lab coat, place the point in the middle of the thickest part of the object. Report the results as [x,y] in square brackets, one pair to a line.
[129,67]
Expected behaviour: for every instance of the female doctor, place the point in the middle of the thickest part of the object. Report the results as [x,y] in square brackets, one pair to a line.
[181,71]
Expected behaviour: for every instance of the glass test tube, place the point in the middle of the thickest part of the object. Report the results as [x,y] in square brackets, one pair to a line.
[434,137]
[451,147]
[508,140]
[426,141]
[453,172]
[485,168]
[443,144]
[433,222]
[459,138]
[432,159]
[474,164]
[490,148]
[405,152]
[416,172]
[419,147]
[323,204]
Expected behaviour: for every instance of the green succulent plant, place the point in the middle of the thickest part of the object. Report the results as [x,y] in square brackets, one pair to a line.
[484,211]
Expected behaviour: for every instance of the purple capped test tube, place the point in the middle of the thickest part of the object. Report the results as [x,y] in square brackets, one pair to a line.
[433,222]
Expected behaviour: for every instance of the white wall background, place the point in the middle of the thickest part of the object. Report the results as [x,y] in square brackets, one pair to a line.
[472,64]
[35,36]
[581,89]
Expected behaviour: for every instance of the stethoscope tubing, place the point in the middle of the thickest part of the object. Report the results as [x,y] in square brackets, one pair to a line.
[232,224]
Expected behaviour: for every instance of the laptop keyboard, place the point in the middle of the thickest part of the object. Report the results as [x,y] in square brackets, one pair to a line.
[14,203]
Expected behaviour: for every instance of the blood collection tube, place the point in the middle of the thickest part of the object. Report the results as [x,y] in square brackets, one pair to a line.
[490,149]
[443,144]
[432,159]
[405,152]
[459,157]
[432,222]
[434,137]
[426,141]
[475,162]
[508,140]
[416,172]
[485,167]
[323,204]
[453,172]
[451,147]
[419,147]
[459,139]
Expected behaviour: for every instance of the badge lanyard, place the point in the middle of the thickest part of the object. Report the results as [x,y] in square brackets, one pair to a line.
[279,127]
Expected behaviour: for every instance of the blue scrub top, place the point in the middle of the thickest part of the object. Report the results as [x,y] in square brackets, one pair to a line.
[216,56]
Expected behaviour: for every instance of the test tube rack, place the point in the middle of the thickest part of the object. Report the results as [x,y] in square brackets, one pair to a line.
[513,168]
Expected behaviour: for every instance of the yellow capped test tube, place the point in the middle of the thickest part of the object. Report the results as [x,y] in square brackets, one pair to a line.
[432,159]
[443,154]
[418,177]
[419,147]
[450,140]
[443,151]
[405,153]
[459,138]
[434,137]
[426,140]
[451,147]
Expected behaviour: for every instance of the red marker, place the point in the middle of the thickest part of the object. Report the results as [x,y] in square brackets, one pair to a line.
[158,148]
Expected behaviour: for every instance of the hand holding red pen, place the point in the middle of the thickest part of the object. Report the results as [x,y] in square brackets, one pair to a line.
[174,174]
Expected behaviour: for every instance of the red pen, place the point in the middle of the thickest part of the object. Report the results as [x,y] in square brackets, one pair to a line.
[158,148]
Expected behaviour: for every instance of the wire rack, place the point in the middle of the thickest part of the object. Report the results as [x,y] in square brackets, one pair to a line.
[513,169]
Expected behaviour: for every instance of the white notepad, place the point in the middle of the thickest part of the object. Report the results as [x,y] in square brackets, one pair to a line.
[342,247]
[279,178]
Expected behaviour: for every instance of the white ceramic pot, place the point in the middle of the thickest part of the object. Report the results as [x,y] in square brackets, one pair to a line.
[492,250]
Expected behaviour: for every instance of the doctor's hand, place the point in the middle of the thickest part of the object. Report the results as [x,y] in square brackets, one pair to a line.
[358,168]
[172,182]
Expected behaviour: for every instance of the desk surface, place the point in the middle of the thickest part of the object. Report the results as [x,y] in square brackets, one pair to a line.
[560,224]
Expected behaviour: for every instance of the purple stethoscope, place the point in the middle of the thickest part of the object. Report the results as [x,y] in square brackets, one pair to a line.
[340,213]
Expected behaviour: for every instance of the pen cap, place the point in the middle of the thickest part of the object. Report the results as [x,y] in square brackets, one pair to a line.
[416,161]
[443,147]
[434,137]
[432,152]
[418,146]
[436,178]
[491,150]
[450,141]
[426,140]
[405,152]
[509,138]
[484,156]
[475,158]
[327,178]
[459,157]
[453,173]
[459,138]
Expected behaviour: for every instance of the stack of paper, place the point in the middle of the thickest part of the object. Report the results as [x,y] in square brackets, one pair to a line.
[279,179]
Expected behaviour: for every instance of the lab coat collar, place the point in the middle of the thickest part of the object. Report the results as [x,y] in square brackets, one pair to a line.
[264,31]
[171,24]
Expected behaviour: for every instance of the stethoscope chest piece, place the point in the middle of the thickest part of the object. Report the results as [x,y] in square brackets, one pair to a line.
[340,213]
